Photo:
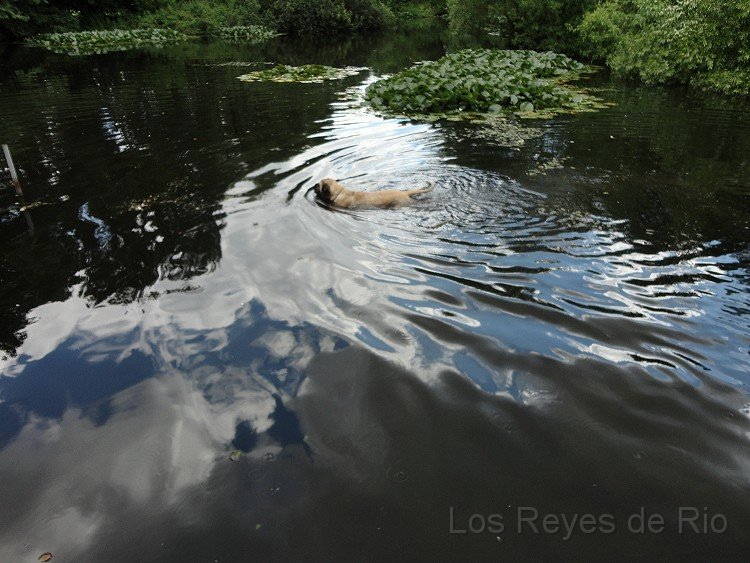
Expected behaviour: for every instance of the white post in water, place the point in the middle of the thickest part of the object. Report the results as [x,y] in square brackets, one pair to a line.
[13,174]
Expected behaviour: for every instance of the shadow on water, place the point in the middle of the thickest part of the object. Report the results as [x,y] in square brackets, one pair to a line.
[561,325]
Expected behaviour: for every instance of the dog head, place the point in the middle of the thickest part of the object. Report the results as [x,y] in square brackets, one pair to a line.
[327,189]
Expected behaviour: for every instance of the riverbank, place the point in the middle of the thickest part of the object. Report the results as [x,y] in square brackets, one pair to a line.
[704,43]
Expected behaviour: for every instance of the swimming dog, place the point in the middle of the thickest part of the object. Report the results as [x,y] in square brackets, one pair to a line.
[334,193]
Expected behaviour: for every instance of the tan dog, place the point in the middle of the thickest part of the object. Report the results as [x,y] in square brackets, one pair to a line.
[336,194]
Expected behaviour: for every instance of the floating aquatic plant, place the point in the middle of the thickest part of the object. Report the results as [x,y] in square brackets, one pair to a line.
[304,73]
[485,81]
[90,42]
[544,165]
[246,33]
[506,131]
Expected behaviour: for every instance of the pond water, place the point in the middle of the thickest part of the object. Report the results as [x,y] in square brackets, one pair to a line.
[561,328]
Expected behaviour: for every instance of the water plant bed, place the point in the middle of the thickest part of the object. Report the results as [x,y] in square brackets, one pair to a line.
[471,83]
[246,34]
[303,73]
[90,42]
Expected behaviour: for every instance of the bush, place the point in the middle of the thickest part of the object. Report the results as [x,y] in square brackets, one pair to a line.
[369,14]
[203,17]
[705,43]
[24,18]
[468,18]
[308,17]
[519,24]
[407,12]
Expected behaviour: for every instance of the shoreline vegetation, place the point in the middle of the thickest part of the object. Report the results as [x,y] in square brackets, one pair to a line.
[90,42]
[103,41]
[704,44]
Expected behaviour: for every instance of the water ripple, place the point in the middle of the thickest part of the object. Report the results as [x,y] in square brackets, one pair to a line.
[501,250]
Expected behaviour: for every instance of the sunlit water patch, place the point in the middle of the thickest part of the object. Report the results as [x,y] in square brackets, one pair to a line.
[518,269]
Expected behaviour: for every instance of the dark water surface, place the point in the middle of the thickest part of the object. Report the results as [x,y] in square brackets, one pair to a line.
[560,328]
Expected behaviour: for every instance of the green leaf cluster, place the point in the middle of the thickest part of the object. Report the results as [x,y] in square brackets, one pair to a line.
[88,42]
[518,24]
[303,73]
[246,33]
[484,81]
[204,18]
[310,17]
[705,43]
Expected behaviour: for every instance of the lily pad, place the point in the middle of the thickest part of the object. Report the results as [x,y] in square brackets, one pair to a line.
[246,34]
[235,455]
[91,42]
[304,73]
[485,81]
[505,131]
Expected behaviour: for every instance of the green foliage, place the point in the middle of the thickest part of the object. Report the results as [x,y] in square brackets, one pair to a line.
[246,33]
[88,42]
[468,18]
[483,81]
[409,13]
[23,18]
[308,17]
[518,24]
[705,43]
[11,11]
[539,24]
[203,17]
[369,14]
[303,73]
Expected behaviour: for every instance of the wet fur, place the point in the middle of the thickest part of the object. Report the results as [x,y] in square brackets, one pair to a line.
[336,194]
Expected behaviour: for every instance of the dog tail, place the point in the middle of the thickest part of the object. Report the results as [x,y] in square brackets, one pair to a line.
[426,190]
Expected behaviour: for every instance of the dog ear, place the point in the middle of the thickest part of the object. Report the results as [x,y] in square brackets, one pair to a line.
[325,189]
